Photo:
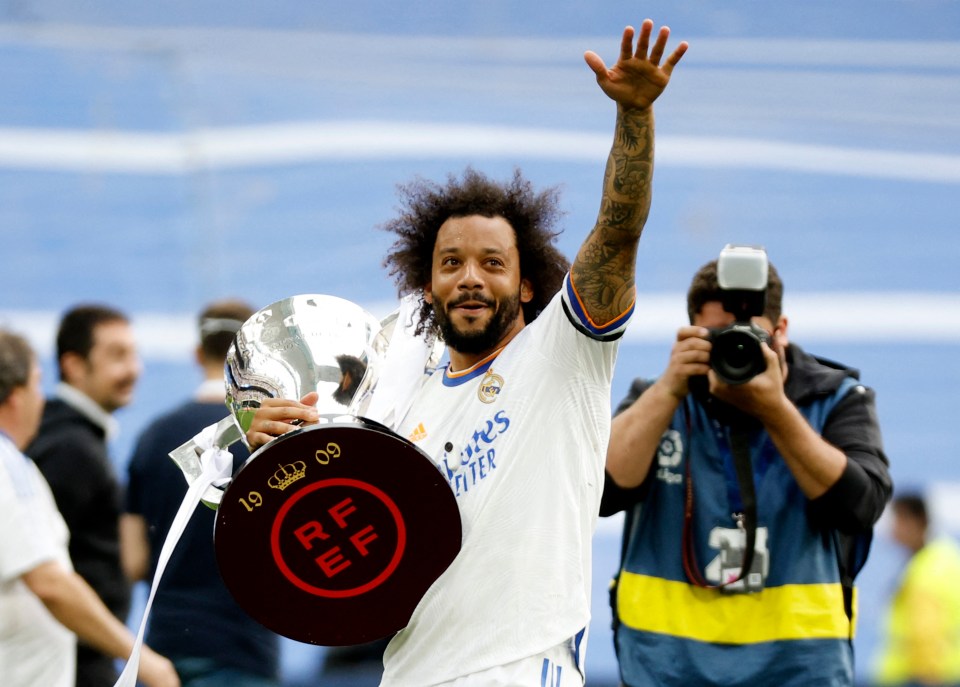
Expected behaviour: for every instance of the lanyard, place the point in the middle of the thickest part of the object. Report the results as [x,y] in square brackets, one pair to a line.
[761,460]
[746,499]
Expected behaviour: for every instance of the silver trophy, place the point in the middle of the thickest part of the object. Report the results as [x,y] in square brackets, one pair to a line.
[330,533]
[300,344]
[303,344]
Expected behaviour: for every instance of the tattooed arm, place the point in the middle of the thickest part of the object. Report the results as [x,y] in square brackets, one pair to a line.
[603,271]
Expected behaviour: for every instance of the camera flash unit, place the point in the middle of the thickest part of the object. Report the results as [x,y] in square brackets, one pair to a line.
[742,268]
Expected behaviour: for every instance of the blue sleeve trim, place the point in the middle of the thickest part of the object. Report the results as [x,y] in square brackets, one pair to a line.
[578,315]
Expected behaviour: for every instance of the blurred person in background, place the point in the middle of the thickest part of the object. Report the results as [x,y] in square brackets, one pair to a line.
[750,508]
[99,366]
[194,620]
[921,645]
[44,604]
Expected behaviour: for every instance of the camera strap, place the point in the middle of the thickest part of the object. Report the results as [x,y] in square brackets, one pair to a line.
[740,449]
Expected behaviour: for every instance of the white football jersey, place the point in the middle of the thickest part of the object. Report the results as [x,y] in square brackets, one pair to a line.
[35,649]
[522,439]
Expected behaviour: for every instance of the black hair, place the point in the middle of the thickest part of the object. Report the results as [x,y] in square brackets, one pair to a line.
[77,326]
[705,287]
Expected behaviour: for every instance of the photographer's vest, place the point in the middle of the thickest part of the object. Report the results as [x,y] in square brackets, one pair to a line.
[793,631]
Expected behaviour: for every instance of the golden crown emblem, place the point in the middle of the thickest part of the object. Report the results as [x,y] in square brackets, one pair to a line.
[287,475]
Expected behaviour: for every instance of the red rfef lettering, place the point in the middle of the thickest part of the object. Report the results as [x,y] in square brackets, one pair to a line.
[340,512]
[332,562]
[362,538]
[307,533]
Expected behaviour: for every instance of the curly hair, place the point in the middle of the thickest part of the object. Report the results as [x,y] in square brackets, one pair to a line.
[426,205]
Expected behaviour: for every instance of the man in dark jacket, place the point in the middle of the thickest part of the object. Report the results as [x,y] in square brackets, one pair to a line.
[750,509]
[99,366]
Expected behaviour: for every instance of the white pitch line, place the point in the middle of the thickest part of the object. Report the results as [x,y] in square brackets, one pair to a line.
[868,317]
[119,152]
[896,317]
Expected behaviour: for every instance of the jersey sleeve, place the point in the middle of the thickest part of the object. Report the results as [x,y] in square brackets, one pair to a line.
[574,346]
[577,314]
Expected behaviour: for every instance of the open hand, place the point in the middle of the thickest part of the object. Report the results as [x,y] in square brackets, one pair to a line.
[637,79]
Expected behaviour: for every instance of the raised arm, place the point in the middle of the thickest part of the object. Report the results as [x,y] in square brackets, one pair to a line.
[603,271]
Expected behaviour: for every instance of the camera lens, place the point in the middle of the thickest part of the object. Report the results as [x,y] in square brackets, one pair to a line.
[736,356]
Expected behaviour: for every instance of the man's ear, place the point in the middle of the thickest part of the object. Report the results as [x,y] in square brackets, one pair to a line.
[72,367]
[428,292]
[15,397]
[526,291]
[780,332]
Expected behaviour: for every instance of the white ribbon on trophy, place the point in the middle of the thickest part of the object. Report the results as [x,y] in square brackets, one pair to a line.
[216,465]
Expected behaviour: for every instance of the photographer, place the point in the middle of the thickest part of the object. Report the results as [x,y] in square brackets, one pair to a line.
[780,473]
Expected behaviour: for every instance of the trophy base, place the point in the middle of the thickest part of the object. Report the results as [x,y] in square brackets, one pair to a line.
[332,534]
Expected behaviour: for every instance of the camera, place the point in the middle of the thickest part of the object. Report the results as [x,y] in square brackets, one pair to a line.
[737,354]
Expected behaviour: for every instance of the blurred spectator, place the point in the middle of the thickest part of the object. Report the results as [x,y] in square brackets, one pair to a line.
[99,367]
[43,602]
[195,620]
[922,642]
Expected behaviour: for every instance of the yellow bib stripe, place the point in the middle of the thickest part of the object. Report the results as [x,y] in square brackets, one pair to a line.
[790,612]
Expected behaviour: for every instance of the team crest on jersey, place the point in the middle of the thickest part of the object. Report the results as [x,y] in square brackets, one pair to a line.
[490,387]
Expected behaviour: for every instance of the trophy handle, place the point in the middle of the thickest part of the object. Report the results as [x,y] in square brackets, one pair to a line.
[187,457]
[409,360]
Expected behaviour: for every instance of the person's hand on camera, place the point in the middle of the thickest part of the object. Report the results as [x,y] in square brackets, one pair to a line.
[277,416]
[689,357]
[636,431]
[763,396]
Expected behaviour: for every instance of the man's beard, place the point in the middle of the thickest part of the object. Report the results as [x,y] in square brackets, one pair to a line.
[118,396]
[485,339]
